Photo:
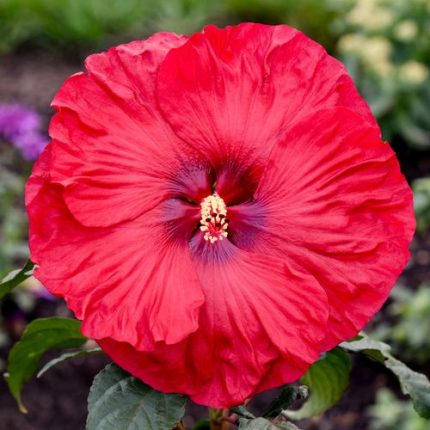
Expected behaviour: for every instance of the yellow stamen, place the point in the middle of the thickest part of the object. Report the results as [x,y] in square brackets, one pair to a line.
[213,222]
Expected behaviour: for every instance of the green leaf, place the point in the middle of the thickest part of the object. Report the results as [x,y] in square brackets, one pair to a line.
[255,424]
[242,411]
[67,356]
[15,278]
[287,397]
[118,401]
[263,424]
[40,336]
[327,379]
[414,384]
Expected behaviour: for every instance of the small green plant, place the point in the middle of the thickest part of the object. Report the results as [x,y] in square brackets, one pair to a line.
[389,413]
[410,334]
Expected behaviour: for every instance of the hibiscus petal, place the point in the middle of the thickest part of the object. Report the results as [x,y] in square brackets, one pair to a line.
[230,93]
[258,311]
[252,299]
[319,215]
[114,278]
[333,197]
[113,151]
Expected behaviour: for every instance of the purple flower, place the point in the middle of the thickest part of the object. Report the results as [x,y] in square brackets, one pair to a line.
[30,144]
[21,126]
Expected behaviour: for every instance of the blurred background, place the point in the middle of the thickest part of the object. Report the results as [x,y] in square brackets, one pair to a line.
[385,45]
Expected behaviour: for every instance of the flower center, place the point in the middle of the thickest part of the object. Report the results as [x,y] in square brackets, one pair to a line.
[213,222]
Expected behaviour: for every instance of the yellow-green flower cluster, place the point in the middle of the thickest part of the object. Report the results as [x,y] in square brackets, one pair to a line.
[386,46]
[376,28]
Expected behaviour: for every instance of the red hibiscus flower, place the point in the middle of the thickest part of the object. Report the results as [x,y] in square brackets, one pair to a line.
[218,210]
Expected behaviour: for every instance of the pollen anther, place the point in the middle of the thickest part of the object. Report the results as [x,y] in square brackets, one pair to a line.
[213,222]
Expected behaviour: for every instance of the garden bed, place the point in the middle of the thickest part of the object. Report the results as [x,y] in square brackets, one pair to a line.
[57,401]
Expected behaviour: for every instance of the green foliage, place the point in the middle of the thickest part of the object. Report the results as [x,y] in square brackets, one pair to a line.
[389,413]
[12,32]
[288,396]
[186,16]
[242,412]
[263,424]
[67,356]
[409,334]
[275,416]
[39,337]
[76,26]
[14,278]
[421,189]
[311,16]
[327,379]
[414,384]
[118,401]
